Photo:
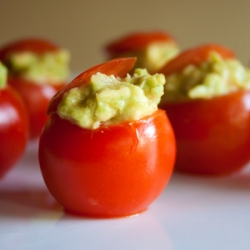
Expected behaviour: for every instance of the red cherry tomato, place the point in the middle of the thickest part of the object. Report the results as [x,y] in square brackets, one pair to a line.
[112,171]
[115,170]
[194,56]
[137,41]
[212,135]
[35,96]
[14,128]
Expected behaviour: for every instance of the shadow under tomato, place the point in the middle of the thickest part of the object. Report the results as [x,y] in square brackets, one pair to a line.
[27,203]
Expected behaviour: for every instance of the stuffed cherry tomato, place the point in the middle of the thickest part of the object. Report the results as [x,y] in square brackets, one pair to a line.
[207,101]
[152,49]
[14,125]
[107,150]
[37,70]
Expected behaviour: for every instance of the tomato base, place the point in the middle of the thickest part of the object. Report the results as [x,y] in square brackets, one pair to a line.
[213,135]
[113,171]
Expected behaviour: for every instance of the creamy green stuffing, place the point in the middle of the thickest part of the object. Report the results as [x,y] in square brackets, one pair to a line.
[214,77]
[52,67]
[3,75]
[112,100]
[154,56]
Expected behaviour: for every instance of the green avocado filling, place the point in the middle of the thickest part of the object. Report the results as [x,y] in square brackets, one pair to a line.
[3,76]
[154,56]
[214,77]
[52,67]
[111,100]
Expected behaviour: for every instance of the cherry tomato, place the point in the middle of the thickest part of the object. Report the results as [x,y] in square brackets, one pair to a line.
[152,49]
[212,135]
[112,171]
[35,96]
[14,127]
[137,41]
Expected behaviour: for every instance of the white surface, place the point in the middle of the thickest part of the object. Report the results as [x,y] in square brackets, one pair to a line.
[192,213]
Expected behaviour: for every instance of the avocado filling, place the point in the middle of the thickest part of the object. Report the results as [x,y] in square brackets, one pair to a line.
[49,67]
[111,100]
[214,77]
[3,76]
[154,56]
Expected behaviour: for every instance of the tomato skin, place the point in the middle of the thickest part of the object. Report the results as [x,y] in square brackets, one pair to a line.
[14,127]
[36,98]
[194,56]
[35,45]
[212,136]
[137,41]
[112,171]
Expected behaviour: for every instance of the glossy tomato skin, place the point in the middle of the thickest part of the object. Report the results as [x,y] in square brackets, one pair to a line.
[14,127]
[36,98]
[112,171]
[137,41]
[212,136]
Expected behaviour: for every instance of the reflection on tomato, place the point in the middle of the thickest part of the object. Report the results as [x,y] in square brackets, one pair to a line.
[13,128]
[213,136]
[115,170]
[36,98]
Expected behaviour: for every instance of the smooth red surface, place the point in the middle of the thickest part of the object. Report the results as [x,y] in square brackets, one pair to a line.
[194,56]
[13,128]
[112,171]
[213,136]
[117,67]
[137,41]
[35,45]
[36,98]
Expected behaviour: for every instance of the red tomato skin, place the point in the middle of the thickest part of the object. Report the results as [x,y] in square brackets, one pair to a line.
[35,45]
[14,127]
[137,41]
[194,56]
[212,136]
[112,171]
[36,98]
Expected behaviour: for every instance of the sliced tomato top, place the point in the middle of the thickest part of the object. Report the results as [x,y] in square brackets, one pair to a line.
[195,56]
[137,41]
[35,45]
[117,67]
